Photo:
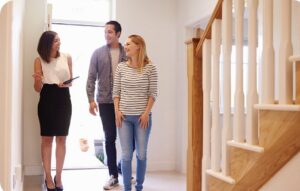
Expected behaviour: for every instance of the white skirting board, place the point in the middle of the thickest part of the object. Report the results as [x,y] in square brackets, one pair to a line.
[31,170]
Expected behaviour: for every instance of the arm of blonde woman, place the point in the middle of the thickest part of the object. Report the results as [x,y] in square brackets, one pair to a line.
[144,118]
[37,75]
[118,113]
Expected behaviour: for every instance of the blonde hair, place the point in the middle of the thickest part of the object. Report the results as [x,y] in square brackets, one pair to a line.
[142,55]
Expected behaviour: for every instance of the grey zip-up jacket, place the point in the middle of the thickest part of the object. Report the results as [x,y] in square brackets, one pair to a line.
[101,71]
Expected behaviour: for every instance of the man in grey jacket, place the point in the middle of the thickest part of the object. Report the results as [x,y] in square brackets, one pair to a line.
[102,68]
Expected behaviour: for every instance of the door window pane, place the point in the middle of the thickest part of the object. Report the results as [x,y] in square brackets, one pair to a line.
[80,25]
[79,11]
[80,42]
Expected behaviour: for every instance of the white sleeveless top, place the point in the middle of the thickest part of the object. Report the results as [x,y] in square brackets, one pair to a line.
[57,71]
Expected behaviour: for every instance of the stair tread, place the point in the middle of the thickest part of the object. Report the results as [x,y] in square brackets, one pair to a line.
[221,176]
[246,146]
[278,107]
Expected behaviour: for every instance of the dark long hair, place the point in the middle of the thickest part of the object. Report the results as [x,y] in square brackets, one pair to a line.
[45,45]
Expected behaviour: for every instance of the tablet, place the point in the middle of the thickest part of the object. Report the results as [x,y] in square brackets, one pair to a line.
[70,80]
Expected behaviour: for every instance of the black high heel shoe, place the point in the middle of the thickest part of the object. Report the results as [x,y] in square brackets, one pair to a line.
[49,189]
[57,188]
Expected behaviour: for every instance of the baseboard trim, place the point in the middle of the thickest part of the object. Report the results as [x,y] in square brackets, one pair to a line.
[30,170]
[161,166]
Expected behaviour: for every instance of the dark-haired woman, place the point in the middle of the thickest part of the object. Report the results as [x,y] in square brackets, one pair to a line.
[51,69]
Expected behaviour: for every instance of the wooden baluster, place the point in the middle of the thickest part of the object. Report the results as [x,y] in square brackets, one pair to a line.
[216,130]
[206,68]
[227,47]
[285,51]
[239,116]
[268,71]
[252,96]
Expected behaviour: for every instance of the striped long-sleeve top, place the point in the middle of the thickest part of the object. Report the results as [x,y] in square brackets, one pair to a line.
[134,87]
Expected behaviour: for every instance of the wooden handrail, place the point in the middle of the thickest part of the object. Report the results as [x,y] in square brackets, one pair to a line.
[217,14]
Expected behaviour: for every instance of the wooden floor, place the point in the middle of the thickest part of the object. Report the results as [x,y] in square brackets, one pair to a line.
[93,180]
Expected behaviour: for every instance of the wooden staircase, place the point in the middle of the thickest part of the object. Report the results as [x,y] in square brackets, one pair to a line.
[244,151]
[279,136]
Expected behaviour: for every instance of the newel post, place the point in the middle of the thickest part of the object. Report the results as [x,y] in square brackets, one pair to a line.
[195,117]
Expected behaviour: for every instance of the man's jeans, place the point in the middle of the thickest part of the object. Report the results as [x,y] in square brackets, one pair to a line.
[131,129]
[107,114]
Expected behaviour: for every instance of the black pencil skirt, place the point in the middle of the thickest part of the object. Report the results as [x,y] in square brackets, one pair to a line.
[54,110]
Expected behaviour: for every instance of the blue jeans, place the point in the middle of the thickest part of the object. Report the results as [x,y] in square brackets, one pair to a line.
[131,130]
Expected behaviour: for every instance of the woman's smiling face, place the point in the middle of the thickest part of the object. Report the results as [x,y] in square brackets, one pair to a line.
[131,48]
[56,44]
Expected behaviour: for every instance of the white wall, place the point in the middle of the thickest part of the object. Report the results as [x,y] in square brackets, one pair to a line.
[11,95]
[193,12]
[286,178]
[17,94]
[156,21]
[5,93]
[34,22]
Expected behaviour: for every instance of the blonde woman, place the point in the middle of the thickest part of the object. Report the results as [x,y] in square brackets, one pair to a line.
[134,92]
